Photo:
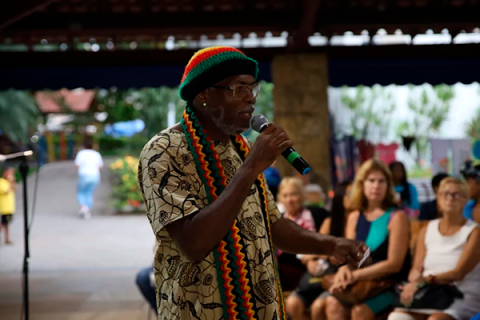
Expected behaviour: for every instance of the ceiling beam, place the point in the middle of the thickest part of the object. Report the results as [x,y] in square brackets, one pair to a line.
[302,22]
[80,59]
[307,25]
[161,20]
[17,10]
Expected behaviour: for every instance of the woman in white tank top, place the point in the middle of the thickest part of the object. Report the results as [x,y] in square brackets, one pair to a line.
[448,252]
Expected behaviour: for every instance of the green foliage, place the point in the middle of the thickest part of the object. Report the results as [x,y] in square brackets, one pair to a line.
[118,104]
[125,193]
[110,146]
[473,126]
[264,103]
[18,114]
[430,107]
[154,104]
[371,109]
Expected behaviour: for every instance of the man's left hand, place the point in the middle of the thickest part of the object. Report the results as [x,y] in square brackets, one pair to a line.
[350,252]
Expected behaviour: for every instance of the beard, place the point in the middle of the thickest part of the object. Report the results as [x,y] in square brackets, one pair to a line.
[227,126]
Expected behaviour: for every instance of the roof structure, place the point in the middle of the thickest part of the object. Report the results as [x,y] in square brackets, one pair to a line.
[46,39]
[78,101]
[66,21]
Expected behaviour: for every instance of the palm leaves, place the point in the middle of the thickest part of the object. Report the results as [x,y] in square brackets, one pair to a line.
[18,114]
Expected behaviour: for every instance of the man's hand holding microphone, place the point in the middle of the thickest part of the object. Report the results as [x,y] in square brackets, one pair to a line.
[272,142]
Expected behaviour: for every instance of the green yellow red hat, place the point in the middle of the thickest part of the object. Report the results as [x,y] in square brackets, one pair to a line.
[211,65]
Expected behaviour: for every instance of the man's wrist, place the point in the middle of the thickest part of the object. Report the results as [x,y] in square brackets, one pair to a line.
[249,169]
[329,243]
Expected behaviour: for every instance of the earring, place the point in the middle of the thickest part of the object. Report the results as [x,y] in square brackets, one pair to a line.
[204,104]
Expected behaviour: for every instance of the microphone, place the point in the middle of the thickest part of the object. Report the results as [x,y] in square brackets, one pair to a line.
[4,157]
[259,123]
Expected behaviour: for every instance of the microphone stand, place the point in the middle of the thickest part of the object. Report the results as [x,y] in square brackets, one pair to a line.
[23,168]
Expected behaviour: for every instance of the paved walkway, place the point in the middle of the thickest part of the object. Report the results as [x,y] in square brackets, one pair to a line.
[80,269]
[61,240]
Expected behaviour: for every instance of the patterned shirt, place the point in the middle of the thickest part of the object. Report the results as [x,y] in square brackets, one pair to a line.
[172,189]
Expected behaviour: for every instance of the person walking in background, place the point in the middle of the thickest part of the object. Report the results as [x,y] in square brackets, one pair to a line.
[408,199]
[89,163]
[7,201]
[429,210]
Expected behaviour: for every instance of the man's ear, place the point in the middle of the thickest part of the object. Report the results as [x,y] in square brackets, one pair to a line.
[202,98]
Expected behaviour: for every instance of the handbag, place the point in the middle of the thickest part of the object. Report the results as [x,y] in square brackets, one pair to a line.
[359,291]
[430,296]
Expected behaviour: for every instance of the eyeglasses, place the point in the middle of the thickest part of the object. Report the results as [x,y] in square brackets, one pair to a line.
[452,195]
[241,91]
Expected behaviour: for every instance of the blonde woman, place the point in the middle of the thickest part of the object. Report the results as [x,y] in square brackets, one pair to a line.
[377,222]
[291,196]
[448,252]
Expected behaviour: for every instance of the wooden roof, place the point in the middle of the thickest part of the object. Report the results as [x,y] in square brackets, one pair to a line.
[66,21]
[78,101]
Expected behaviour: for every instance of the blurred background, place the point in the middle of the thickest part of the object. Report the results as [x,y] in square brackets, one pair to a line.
[349,80]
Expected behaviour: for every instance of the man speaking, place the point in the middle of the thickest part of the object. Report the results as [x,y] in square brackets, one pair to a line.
[206,197]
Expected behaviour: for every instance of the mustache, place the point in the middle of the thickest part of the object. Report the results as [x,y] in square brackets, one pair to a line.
[248,109]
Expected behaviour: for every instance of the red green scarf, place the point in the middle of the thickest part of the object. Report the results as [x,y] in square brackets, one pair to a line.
[233,274]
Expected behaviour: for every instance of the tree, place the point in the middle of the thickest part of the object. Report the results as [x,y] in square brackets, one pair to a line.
[430,107]
[473,126]
[18,115]
[153,106]
[118,104]
[371,109]
[264,103]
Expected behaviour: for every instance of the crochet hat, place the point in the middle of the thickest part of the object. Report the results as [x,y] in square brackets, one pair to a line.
[211,65]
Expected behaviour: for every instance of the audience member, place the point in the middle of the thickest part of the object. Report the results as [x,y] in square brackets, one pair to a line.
[448,252]
[310,287]
[429,210]
[146,284]
[376,221]
[273,177]
[314,195]
[291,196]
[407,196]
[472,176]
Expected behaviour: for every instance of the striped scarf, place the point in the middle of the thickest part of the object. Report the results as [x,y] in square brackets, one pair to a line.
[233,274]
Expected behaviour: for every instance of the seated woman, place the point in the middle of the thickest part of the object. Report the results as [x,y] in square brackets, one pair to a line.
[384,229]
[448,252]
[408,193]
[291,196]
[309,289]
